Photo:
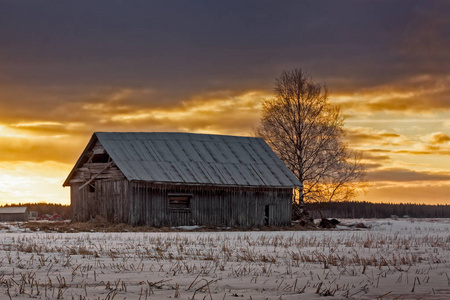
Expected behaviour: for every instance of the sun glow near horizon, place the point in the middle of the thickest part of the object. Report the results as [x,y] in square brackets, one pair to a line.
[201,68]
[404,165]
[29,182]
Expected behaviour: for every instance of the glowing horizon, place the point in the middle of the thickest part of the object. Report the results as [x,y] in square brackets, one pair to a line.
[402,167]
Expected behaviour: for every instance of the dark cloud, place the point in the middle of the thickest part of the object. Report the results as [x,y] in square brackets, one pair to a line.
[378,151]
[426,34]
[414,152]
[359,136]
[371,166]
[405,175]
[375,157]
[367,136]
[430,144]
[413,93]
[439,151]
[192,46]
[51,148]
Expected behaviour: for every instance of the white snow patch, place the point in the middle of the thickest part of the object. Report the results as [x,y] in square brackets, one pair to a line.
[194,227]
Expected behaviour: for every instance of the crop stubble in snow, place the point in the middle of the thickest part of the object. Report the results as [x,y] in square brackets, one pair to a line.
[393,260]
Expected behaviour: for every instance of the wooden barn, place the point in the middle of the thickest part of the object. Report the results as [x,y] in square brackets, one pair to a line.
[15,213]
[174,179]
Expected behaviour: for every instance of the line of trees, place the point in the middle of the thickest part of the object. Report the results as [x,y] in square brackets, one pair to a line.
[353,210]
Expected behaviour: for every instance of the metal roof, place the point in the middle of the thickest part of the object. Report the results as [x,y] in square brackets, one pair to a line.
[190,158]
[13,210]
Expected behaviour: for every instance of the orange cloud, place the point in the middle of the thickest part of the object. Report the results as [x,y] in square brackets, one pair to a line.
[40,141]
[364,136]
[32,149]
[421,93]
[61,139]
[439,138]
[375,157]
[221,112]
[56,136]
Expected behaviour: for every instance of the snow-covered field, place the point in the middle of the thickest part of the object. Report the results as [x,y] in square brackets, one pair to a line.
[394,259]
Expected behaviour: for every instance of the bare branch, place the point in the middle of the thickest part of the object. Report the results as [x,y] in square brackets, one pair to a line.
[306,131]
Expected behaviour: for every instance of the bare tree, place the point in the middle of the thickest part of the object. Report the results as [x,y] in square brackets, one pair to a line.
[306,131]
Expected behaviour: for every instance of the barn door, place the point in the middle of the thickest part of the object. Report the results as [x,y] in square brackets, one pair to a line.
[269,214]
[92,200]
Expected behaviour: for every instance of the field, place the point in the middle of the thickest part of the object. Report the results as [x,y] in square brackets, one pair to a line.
[394,259]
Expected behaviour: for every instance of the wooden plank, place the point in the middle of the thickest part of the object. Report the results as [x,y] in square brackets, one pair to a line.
[95,176]
[143,203]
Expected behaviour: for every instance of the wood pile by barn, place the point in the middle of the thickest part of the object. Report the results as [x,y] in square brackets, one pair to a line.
[15,213]
[174,179]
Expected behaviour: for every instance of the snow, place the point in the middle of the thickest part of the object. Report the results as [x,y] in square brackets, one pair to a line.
[393,259]
[194,227]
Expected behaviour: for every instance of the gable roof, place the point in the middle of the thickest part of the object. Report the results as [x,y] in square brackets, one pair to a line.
[189,158]
[13,210]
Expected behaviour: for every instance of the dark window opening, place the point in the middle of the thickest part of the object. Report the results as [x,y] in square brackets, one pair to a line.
[267,215]
[91,188]
[180,202]
[100,158]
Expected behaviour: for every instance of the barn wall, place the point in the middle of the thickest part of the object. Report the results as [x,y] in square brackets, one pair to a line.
[148,204]
[81,202]
[108,199]
[216,206]
[9,217]
[113,202]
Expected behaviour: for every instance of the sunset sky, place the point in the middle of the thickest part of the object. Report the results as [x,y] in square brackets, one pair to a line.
[69,68]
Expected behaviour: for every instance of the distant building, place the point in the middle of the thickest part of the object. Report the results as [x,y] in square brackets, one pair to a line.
[33,215]
[18,213]
[174,179]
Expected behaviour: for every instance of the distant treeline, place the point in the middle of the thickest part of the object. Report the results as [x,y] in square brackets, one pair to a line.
[343,210]
[47,208]
[377,210]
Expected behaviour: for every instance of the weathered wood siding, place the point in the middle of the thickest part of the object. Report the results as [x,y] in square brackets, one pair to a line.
[148,204]
[209,205]
[113,200]
[102,170]
[10,217]
[109,199]
[80,201]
